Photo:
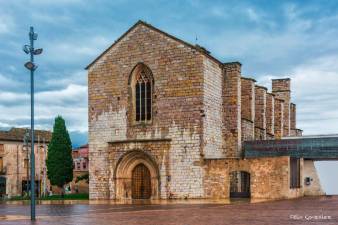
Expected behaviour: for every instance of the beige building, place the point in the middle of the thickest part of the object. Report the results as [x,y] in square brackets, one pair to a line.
[15,161]
[168,120]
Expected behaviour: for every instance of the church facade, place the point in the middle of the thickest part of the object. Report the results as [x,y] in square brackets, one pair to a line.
[167,120]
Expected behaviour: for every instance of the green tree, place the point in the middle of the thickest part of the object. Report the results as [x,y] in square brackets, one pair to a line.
[59,157]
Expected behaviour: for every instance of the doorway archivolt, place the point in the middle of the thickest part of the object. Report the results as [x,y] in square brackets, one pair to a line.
[136,176]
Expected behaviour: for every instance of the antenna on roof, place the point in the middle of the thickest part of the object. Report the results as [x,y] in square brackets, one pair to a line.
[196,39]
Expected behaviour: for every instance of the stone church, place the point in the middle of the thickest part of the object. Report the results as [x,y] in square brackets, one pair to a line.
[168,120]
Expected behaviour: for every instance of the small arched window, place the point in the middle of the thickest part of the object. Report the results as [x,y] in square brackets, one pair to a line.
[142,86]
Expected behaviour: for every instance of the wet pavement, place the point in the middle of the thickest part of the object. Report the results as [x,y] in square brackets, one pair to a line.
[314,210]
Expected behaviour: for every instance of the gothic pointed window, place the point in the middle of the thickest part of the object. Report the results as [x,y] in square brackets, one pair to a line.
[143,93]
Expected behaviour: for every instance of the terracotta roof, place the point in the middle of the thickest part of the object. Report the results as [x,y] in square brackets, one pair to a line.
[17,134]
[196,47]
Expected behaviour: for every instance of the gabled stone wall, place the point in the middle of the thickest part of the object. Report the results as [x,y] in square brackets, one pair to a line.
[178,73]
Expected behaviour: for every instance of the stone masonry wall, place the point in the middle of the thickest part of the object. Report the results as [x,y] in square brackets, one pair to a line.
[177,104]
[248,130]
[281,89]
[293,116]
[269,177]
[201,111]
[270,115]
[213,114]
[232,109]
[260,112]
[248,98]
[248,108]
[293,127]
[279,118]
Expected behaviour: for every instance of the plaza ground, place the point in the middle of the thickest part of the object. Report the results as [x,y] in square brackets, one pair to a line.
[310,210]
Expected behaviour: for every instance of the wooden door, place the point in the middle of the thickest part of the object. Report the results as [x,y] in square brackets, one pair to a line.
[141,182]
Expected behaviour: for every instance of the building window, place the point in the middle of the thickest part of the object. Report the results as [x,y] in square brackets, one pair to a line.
[142,85]
[294,173]
[78,166]
[143,97]
[84,165]
[25,163]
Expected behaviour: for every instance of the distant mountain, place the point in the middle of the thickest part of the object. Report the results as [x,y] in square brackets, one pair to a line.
[78,138]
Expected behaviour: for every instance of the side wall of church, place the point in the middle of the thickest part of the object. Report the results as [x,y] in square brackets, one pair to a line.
[248,108]
[213,114]
[232,130]
[282,90]
[260,112]
[270,116]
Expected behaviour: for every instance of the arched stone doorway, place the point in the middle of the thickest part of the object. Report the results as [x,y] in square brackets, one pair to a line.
[141,182]
[239,184]
[136,176]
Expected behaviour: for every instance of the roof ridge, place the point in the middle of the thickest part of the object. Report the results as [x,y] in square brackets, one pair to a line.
[17,134]
[198,48]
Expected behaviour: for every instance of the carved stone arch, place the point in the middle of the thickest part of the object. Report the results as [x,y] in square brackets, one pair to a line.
[137,68]
[124,171]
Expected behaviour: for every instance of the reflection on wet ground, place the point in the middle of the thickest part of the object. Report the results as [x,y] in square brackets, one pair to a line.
[139,202]
[317,210]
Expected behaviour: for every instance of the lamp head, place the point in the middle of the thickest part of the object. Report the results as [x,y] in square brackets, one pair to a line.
[32,35]
[31,66]
[38,51]
[26,49]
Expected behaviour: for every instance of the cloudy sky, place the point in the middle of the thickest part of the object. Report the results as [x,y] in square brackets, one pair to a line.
[272,39]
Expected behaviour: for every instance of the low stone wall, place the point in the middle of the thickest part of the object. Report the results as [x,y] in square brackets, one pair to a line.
[269,177]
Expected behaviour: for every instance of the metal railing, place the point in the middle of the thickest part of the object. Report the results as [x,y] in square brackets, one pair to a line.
[323,147]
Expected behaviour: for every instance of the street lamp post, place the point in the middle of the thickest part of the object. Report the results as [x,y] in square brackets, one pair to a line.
[26,137]
[29,49]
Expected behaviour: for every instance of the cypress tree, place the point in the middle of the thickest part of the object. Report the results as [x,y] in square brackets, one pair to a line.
[59,157]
